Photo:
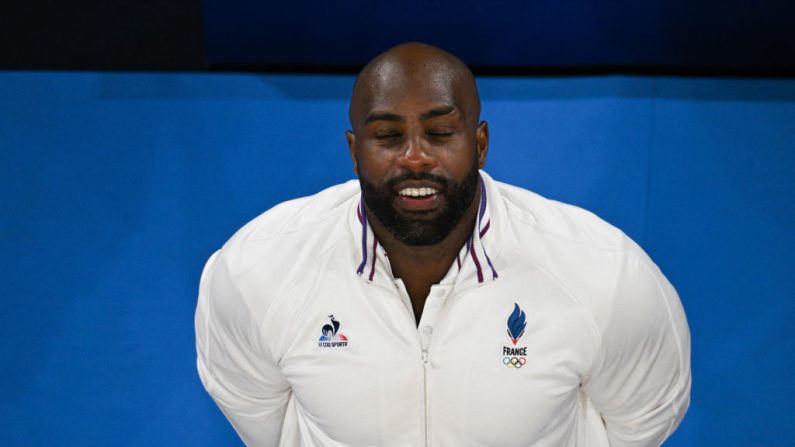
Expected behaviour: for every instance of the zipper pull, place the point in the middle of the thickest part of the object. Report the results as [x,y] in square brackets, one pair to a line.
[425,356]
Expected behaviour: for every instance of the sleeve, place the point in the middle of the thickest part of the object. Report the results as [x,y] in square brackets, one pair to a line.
[640,382]
[235,367]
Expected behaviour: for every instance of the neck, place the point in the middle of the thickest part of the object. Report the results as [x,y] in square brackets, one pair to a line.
[420,267]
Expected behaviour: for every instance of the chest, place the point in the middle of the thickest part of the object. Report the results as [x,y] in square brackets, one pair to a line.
[497,363]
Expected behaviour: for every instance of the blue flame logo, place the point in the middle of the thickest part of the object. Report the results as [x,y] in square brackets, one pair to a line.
[516,324]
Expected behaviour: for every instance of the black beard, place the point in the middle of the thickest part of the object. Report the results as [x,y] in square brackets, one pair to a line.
[417,229]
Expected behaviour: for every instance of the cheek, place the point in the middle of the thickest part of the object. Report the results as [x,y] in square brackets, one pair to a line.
[459,159]
[373,164]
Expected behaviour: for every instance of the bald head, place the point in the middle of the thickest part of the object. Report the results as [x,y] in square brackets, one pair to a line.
[414,69]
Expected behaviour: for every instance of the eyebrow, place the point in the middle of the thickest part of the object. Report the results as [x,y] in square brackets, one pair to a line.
[386,116]
[441,111]
[381,116]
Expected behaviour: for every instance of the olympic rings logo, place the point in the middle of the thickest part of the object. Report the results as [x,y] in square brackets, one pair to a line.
[514,362]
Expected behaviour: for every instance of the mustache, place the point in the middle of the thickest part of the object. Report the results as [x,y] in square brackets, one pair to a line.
[392,183]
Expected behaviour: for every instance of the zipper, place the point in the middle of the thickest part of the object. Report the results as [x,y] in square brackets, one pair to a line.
[425,391]
[424,342]
[425,338]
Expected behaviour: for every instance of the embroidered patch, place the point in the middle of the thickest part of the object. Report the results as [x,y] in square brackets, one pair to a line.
[517,322]
[331,337]
[515,356]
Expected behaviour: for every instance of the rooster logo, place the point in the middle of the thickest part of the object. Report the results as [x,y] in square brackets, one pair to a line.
[516,324]
[330,331]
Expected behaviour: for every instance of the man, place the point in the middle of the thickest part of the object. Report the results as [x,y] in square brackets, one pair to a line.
[427,304]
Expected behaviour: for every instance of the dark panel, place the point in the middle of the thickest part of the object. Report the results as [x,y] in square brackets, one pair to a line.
[632,36]
[101,35]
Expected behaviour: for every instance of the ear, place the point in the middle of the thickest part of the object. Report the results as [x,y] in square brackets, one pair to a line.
[482,137]
[351,138]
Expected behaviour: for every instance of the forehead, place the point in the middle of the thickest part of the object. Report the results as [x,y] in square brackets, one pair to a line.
[406,90]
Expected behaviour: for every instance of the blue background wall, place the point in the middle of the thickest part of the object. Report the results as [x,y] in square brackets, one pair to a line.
[117,187]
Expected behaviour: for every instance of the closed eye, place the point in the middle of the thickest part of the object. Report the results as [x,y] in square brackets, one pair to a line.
[440,133]
[387,136]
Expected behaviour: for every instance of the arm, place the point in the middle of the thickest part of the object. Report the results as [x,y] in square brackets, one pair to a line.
[235,367]
[640,382]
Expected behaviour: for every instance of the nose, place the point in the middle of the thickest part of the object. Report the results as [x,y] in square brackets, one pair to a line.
[417,156]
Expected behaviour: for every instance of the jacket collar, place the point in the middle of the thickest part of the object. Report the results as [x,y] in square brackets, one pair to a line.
[472,267]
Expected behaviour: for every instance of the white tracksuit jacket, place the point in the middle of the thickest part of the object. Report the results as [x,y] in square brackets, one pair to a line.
[552,328]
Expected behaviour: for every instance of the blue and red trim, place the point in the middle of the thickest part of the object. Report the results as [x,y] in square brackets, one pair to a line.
[471,248]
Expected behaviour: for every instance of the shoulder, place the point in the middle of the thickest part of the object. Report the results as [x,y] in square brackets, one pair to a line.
[275,248]
[302,215]
[625,294]
[595,262]
[568,224]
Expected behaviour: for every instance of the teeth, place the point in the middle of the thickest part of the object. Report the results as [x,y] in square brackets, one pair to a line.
[417,192]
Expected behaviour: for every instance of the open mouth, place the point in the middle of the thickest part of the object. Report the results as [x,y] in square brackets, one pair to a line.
[418,198]
[417,192]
